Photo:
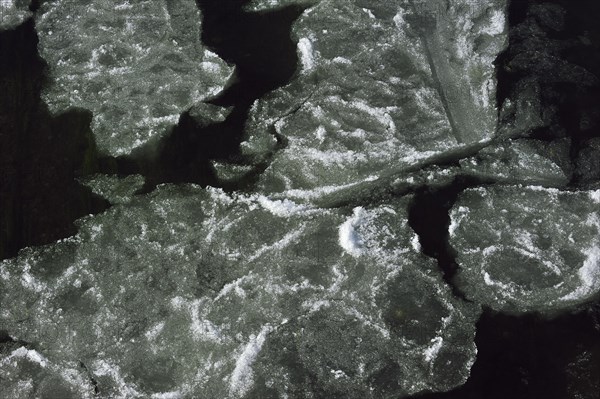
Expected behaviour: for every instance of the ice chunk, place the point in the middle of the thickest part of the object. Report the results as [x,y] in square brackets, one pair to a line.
[187,292]
[527,248]
[418,80]
[13,13]
[135,65]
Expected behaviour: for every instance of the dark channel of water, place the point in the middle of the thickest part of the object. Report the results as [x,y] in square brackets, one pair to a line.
[527,357]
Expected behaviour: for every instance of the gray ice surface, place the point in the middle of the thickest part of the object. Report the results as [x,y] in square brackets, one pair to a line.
[311,282]
[381,86]
[135,65]
[188,292]
[13,13]
[527,248]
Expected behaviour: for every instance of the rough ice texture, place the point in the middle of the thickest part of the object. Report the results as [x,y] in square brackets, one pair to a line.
[194,293]
[13,13]
[135,65]
[187,292]
[26,374]
[417,80]
[113,188]
[527,248]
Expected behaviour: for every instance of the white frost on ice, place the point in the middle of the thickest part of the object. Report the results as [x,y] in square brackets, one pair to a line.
[278,245]
[4,274]
[102,368]
[549,190]
[415,243]
[306,54]
[281,208]
[152,333]
[167,395]
[491,282]
[337,374]
[432,351]
[589,273]
[29,354]
[234,286]
[497,25]
[315,305]
[455,218]
[349,239]
[204,330]
[29,281]
[242,377]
